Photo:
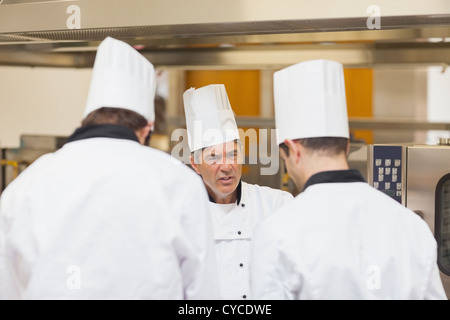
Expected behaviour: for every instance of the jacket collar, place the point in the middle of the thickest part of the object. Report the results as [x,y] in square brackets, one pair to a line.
[239,194]
[335,177]
[103,131]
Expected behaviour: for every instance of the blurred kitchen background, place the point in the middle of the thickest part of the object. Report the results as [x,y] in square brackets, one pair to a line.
[395,55]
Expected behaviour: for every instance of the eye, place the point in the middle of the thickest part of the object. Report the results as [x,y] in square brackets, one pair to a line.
[211,159]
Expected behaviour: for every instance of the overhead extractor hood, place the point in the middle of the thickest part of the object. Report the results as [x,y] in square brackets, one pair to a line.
[232,33]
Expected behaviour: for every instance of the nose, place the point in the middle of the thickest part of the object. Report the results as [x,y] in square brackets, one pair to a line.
[226,167]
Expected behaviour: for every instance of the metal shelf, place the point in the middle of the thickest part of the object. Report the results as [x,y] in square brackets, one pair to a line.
[355,123]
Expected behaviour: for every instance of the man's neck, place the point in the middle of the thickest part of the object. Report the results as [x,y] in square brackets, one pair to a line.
[322,164]
[223,199]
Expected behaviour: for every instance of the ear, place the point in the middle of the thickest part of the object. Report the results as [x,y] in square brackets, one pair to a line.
[194,165]
[144,132]
[149,127]
[348,148]
[294,149]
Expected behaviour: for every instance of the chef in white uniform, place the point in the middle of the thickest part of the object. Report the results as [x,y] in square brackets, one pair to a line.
[340,238]
[236,207]
[106,217]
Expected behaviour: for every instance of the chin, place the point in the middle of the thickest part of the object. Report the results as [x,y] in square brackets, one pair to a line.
[227,189]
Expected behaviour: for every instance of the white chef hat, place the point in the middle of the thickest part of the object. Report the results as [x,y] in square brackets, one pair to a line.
[209,117]
[122,78]
[310,101]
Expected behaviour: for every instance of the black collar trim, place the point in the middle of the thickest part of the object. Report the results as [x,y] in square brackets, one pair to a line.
[103,131]
[335,177]
[239,194]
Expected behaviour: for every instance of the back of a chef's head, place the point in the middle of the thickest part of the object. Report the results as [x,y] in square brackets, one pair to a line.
[310,105]
[122,88]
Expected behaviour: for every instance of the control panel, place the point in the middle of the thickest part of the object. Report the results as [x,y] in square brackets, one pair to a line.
[387,170]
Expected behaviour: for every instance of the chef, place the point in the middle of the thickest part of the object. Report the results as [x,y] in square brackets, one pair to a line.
[106,217]
[340,238]
[236,207]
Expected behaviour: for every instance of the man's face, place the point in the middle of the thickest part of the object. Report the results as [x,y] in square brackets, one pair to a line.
[221,168]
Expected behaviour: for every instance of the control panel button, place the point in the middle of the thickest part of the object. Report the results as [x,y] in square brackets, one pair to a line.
[399,193]
[386,170]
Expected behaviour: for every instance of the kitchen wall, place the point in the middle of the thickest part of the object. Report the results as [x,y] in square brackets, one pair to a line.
[400,94]
[40,101]
[48,101]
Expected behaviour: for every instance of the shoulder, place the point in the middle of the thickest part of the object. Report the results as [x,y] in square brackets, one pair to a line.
[173,173]
[20,187]
[267,200]
[178,169]
[267,191]
[391,208]
[39,166]
[165,163]
[377,206]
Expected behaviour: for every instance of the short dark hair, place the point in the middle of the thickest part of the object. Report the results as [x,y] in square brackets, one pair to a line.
[119,116]
[330,146]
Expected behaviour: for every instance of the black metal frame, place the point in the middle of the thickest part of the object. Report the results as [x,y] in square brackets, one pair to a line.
[438,220]
[3,171]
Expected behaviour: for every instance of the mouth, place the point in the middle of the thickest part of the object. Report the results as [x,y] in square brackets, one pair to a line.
[225,179]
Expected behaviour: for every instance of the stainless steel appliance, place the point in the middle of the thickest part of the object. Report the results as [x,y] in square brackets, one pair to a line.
[428,193]
[418,176]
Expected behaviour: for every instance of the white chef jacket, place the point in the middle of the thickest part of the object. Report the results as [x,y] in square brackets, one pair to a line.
[106,218]
[342,239]
[233,232]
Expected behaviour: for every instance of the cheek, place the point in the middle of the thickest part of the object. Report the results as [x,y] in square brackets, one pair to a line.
[287,165]
[208,172]
[237,168]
